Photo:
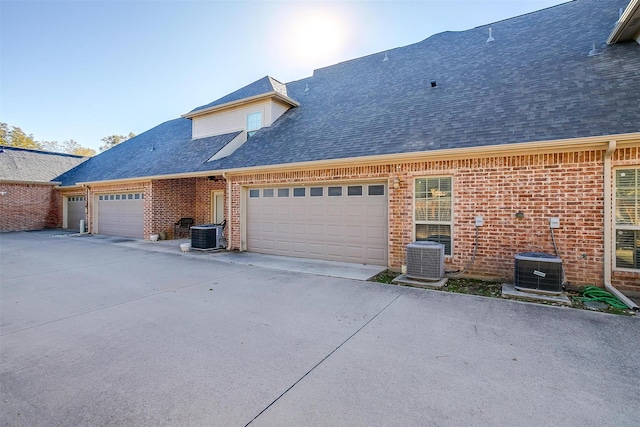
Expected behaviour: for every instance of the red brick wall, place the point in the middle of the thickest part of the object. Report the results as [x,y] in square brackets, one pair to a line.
[29,207]
[171,199]
[541,186]
[204,187]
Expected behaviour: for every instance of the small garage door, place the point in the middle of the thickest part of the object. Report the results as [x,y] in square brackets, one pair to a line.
[75,211]
[121,215]
[331,222]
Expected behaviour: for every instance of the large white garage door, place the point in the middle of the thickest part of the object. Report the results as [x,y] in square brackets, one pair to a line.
[75,211]
[331,222]
[121,215]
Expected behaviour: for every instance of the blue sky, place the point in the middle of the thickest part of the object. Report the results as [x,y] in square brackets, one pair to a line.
[83,70]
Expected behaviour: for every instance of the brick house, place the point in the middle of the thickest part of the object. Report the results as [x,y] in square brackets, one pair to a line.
[28,197]
[524,120]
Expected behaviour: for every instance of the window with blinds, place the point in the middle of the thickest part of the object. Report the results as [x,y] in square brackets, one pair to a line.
[627,212]
[433,211]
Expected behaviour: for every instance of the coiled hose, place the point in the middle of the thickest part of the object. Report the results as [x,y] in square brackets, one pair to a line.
[593,293]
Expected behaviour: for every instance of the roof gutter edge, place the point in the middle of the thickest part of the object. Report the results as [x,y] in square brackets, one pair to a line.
[199,174]
[272,94]
[599,142]
[18,181]
[622,23]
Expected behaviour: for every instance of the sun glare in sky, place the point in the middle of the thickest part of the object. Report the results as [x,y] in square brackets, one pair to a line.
[317,36]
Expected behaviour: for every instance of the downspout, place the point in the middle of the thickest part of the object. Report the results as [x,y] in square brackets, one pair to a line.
[229,222]
[609,227]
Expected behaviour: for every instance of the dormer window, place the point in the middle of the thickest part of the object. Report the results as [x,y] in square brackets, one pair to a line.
[254,122]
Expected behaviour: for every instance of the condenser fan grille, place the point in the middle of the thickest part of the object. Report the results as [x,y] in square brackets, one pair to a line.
[425,260]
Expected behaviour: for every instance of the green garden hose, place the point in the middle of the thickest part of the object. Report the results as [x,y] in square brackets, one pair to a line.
[593,293]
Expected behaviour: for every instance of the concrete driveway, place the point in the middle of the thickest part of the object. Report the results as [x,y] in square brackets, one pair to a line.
[109,335]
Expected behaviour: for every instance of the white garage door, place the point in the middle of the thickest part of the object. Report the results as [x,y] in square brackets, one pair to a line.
[331,222]
[75,211]
[121,215]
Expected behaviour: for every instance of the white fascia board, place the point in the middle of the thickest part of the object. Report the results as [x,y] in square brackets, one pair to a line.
[623,22]
[231,104]
[522,148]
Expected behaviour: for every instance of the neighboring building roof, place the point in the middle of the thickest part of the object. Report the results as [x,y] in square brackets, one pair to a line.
[164,150]
[25,165]
[263,87]
[534,82]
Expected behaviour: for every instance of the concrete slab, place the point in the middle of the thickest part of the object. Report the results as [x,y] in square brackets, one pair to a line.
[105,334]
[510,291]
[300,265]
[406,281]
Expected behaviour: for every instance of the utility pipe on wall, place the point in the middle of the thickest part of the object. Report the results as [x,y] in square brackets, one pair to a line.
[229,222]
[609,227]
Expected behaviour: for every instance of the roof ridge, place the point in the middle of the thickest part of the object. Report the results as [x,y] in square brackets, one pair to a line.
[36,151]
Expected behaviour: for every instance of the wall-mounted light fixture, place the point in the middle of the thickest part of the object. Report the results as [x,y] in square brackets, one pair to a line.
[520,215]
[396,182]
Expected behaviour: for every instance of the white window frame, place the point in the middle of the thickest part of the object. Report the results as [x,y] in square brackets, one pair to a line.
[631,212]
[254,123]
[417,202]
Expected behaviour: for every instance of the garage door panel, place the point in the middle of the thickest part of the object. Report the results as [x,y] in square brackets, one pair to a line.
[340,228]
[376,254]
[121,215]
[376,232]
[356,232]
[315,229]
[299,229]
[315,249]
[334,230]
[298,209]
[75,211]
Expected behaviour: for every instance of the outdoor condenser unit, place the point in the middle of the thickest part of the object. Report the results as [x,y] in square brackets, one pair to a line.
[206,236]
[425,260]
[538,271]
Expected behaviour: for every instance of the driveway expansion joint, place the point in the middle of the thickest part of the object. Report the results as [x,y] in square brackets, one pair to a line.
[323,359]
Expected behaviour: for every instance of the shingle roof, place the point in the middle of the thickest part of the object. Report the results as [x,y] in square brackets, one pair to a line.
[20,164]
[535,82]
[260,87]
[164,150]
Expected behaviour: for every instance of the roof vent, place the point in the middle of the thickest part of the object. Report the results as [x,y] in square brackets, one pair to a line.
[433,83]
[490,39]
[594,51]
[386,58]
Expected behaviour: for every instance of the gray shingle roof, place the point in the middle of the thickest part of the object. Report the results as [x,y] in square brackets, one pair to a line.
[20,164]
[260,87]
[535,82]
[164,150]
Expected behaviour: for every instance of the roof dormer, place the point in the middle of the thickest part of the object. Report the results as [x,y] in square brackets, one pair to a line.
[248,109]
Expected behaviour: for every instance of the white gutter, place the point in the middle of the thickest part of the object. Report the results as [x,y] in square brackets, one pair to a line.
[609,227]
[224,176]
[624,21]
[236,103]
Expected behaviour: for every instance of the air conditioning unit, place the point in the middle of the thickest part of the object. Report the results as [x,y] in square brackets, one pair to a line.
[538,271]
[205,237]
[425,260]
